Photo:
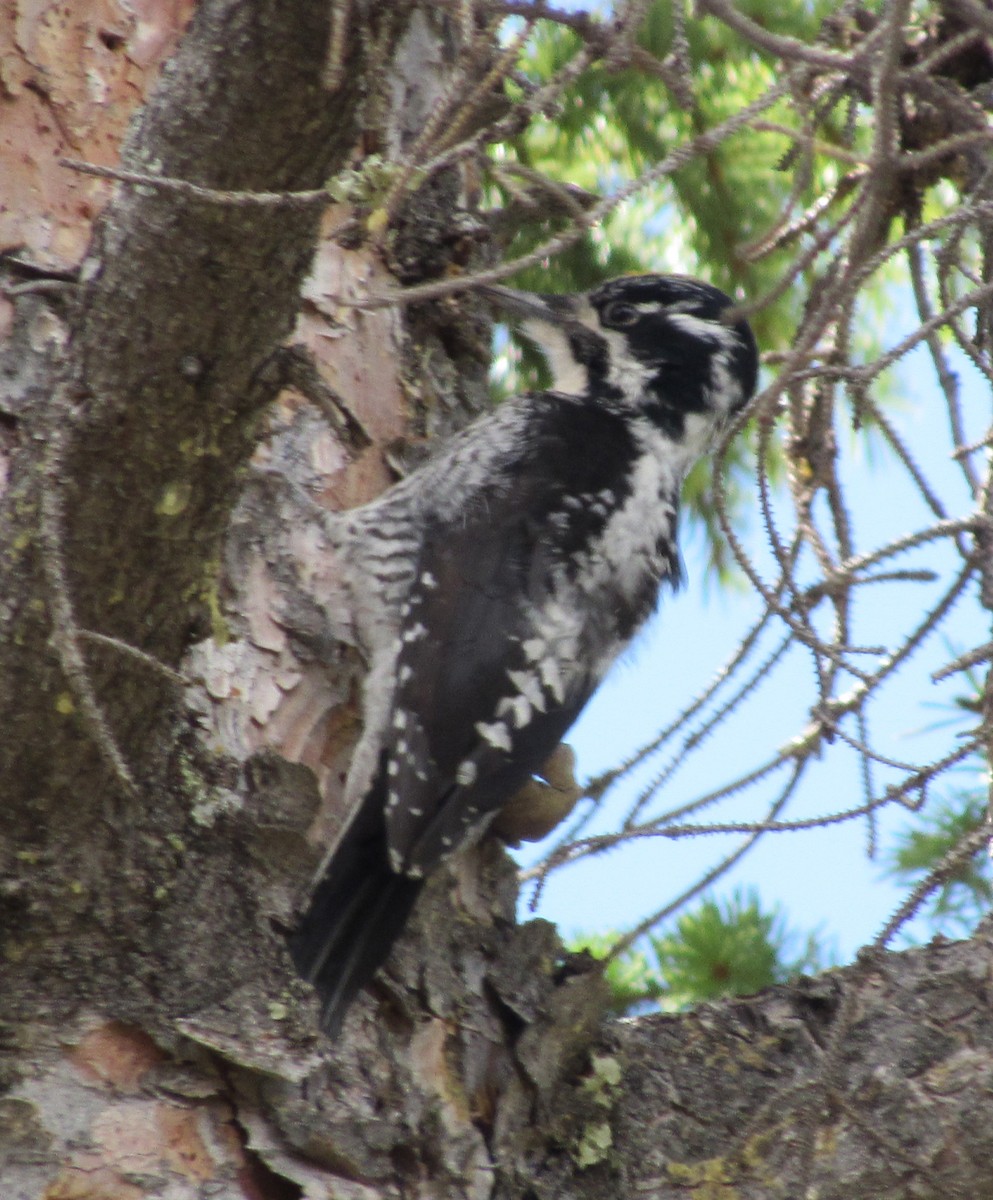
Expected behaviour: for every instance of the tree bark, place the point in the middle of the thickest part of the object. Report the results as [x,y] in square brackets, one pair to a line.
[177,694]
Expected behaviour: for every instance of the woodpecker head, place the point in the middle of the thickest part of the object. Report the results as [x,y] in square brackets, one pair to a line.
[657,343]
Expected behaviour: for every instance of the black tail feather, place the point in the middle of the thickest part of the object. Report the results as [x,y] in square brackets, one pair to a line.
[355,914]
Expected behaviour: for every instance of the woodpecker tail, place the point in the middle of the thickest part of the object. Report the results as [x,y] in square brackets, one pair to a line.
[356,912]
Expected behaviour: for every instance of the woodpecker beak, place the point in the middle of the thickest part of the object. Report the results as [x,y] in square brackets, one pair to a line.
[556,327]
[530,306]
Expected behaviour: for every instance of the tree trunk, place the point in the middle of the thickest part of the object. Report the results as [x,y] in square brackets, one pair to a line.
[177,693]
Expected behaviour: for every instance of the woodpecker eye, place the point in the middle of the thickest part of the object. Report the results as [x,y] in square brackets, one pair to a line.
[620,314]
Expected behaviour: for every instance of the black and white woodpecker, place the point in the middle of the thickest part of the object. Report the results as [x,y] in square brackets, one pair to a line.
[492,589]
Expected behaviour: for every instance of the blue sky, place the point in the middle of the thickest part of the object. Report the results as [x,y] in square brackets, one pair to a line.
[823,878]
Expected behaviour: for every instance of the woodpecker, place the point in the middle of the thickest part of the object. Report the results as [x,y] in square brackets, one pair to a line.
[492,589]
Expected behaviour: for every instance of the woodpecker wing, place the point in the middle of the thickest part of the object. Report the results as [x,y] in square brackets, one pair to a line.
[456,751]
[492,670]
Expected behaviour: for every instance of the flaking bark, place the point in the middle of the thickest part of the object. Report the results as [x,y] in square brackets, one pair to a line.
[153,1039]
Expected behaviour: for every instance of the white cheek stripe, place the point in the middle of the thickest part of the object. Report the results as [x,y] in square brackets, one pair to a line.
[706,331]
[626,372]
[568,376]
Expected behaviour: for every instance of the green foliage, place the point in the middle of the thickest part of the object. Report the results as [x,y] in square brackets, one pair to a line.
[740,213]
[733,212]
[611,127]
[967,894]
[721,948]
[633,978]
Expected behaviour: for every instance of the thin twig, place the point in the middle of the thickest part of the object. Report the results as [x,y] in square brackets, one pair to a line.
[183,187]
[65,633]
